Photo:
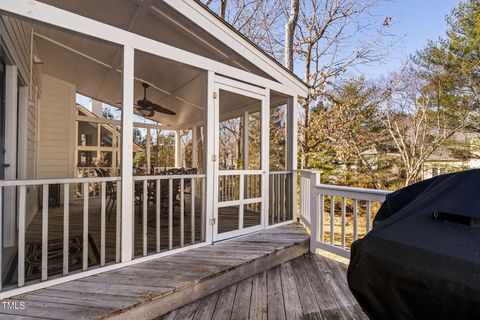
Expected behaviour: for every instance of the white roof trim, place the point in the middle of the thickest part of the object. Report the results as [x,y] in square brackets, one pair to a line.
[195,12]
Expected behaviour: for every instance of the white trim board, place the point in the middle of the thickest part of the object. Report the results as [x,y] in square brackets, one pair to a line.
[196,13]
[11,140]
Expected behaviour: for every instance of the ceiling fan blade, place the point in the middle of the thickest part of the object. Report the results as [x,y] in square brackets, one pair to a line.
[145,104]
[160,109]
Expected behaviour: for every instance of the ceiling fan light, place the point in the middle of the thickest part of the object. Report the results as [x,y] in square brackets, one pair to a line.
[145,113]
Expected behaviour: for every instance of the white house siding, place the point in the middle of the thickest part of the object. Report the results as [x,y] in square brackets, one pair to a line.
[31,142]
[16,37]
[57,127]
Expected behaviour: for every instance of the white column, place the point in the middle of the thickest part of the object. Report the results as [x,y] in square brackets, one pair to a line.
[210,150]
[265,155]
[114,150]
[148,146]
[195,147]
[127,153]
[292,151]
[11,107]
[245,140]
[99,133]
[178,149]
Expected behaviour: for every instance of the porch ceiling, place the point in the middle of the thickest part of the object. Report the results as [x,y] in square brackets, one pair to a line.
[158,21]
[94,67]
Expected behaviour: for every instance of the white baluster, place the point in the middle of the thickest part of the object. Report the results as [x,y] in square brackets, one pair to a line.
[103,195]
[170,214]
[21,237]
[66,226]
[85,226]
[45,233]
[344,217]
[157,214]
[182,214]
[144,217]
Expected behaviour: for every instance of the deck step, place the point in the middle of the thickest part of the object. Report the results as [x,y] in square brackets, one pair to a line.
[150,289]
[241,258]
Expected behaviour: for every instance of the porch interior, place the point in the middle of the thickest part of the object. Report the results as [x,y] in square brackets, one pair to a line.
[156,287]
[191,236]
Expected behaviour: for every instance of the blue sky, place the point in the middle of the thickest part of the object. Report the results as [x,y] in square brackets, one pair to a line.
[417,21]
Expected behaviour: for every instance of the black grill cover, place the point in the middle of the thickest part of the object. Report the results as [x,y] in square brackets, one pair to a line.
[412,266]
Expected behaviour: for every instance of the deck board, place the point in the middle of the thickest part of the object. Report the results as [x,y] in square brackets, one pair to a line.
[291,297]
[206,307]
[275,305]
[155,287]
[241,305]
[266,296]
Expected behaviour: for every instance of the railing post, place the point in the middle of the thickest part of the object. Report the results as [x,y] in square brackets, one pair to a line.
[292,154]
[314,214]
[265,152]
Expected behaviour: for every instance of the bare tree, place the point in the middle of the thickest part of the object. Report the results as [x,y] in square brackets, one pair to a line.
[290,32]
[327,38]
[419,119]
[261,21]
[332,38]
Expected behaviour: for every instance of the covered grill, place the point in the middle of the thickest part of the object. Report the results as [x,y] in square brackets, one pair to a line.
[422,258]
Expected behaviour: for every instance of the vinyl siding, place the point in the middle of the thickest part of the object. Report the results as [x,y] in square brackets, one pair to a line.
[57,121]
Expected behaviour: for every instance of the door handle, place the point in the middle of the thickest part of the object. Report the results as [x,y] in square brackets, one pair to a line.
[6,165]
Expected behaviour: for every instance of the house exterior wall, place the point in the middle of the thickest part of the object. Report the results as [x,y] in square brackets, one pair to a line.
[20,147]
[57,122]
[16,35]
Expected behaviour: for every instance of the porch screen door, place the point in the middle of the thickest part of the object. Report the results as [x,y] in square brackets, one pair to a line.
[238,197]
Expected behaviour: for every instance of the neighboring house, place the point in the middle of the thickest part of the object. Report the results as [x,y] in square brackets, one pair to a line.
[461,153]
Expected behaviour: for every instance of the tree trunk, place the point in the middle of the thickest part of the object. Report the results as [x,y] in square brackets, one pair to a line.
[289,33]
[223,8]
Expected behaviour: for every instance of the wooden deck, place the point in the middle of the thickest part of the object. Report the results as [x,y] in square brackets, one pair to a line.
[153,288]
[308,287]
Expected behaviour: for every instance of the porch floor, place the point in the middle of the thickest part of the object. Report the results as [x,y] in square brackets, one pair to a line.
[156,287]
[308,287]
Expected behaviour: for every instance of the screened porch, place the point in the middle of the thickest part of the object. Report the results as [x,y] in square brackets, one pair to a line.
[132,152]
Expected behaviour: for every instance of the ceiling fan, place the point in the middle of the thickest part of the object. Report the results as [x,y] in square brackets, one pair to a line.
[147,108]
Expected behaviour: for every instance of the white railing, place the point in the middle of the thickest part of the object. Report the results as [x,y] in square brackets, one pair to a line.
[171,190]
[280,197]
[74,217]
[20,188]
[304,205]
[336,215]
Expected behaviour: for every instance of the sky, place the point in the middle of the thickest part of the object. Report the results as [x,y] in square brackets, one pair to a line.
[416,22]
